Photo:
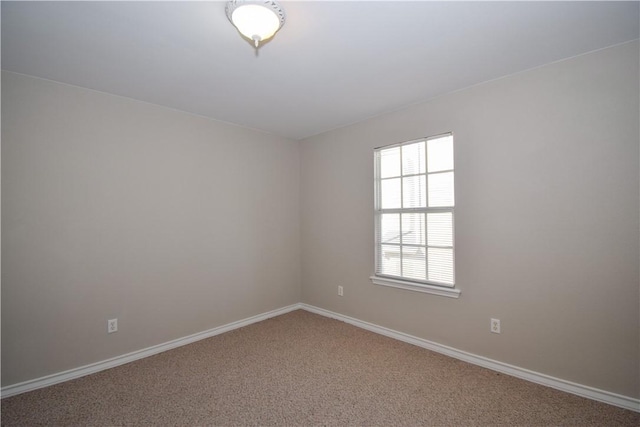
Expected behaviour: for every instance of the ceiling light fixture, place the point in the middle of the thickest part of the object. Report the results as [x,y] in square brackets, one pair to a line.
[257,20]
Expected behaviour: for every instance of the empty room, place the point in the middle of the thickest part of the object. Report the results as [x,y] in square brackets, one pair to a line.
[294,213]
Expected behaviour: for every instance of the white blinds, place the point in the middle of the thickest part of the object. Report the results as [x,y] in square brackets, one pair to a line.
[414,210]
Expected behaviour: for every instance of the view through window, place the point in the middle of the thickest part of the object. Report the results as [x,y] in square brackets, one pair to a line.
[414,204]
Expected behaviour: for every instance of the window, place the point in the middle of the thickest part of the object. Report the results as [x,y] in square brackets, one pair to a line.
[414,227]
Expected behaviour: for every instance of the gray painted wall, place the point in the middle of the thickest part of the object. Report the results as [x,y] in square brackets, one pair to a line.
[113,208]
[547,220]
[176,224]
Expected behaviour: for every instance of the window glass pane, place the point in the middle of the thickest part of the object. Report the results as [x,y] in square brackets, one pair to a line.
[440,153]
[441,265]
[439,229]
[415,181]
[390,162]
[414,190]
[390,193]
[441,189]
[413,158]
[390,228]
[413,229]
[414,262]
[389,261]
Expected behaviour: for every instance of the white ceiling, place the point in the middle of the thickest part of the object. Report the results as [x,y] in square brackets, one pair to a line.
[332,64]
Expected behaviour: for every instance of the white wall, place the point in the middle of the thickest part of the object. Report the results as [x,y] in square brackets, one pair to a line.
[547,220]
[113,208]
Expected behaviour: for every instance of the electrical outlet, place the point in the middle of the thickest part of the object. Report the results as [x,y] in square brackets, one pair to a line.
[340,291]
[112,325]
[495,326]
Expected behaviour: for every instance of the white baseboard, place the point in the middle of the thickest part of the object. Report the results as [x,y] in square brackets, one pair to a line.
[535,377]
[71,374]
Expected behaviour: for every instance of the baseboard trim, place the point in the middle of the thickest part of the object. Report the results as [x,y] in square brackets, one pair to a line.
[535,377]
[525,374]
[93,368]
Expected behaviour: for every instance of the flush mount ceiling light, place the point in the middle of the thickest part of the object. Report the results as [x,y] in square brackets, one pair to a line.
[257,20]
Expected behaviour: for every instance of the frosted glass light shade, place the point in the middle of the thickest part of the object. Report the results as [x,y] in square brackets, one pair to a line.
[256,20]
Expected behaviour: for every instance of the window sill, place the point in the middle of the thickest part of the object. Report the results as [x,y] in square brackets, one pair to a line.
[428,289]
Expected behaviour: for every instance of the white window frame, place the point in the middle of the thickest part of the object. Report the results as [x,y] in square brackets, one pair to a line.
[430,287]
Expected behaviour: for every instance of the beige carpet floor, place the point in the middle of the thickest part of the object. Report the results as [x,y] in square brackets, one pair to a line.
[304,369]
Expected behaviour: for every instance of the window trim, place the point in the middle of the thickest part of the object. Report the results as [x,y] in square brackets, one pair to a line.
[440,290]
[430,287]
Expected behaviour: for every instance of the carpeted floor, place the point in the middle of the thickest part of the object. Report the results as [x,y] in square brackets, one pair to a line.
[304,369]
